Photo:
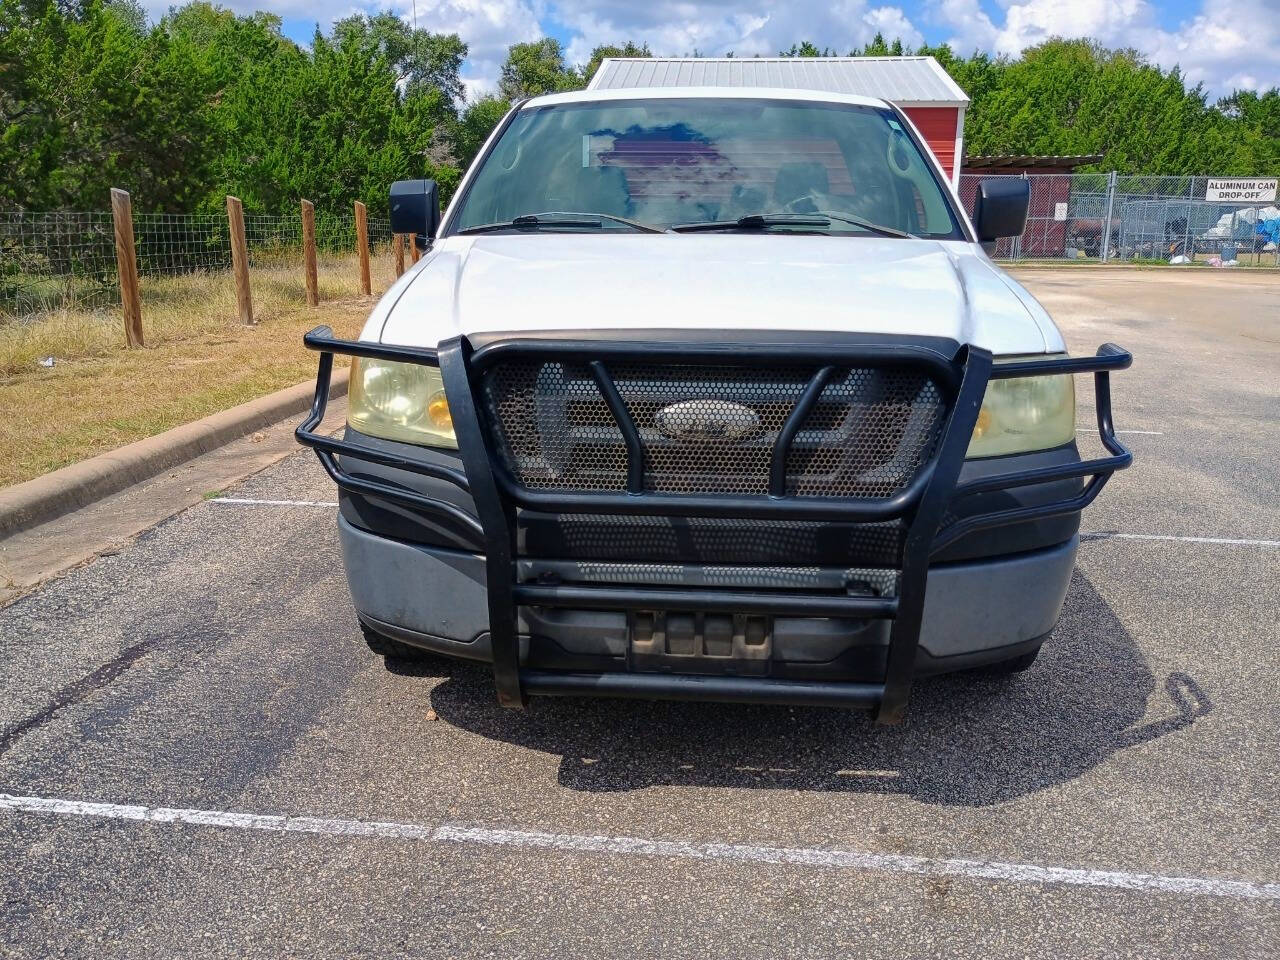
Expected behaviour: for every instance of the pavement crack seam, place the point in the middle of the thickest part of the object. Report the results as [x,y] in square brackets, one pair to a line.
[76,692]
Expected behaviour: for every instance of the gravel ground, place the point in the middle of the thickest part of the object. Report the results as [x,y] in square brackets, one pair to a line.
[215,664]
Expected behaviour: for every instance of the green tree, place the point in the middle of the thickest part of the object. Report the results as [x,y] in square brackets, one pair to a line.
[878,47]
[1077,97]
[30,37]
[599,54]
[806,49]
[92,99]
[475,125]
[535,68]
[286,123]
[1253,119]
[422,60]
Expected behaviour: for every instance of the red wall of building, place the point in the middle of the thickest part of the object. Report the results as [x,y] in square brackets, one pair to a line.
[1044,236]
[938,127]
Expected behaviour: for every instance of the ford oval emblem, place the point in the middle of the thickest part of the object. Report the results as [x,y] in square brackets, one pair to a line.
[707,420]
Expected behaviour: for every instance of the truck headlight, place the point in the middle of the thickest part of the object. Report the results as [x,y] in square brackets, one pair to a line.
[400,401]
[1025,414]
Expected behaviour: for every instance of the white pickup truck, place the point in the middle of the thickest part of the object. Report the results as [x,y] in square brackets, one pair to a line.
[711,394]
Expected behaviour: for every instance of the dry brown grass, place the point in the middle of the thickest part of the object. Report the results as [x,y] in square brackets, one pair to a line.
[198,360]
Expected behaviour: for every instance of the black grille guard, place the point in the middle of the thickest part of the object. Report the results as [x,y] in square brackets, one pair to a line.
[922,504]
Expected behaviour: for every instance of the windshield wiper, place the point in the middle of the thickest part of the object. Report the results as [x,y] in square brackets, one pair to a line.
[762,221]
[866,224]
[559,218]
[756,221]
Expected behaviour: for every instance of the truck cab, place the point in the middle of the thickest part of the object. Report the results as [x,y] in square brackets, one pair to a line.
[711,394]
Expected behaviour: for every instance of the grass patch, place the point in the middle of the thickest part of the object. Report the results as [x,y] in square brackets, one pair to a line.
[198,360]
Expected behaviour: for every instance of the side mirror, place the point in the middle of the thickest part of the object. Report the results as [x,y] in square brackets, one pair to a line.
[1001,208]
[415,209]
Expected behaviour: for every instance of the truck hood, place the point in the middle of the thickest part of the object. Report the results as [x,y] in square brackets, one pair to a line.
[725,282]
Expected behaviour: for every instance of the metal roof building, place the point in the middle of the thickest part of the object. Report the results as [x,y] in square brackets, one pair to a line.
[918,85]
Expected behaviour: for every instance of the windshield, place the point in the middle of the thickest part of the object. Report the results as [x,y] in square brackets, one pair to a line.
[675,162]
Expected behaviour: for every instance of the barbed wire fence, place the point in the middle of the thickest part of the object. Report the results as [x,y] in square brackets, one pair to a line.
[67,260]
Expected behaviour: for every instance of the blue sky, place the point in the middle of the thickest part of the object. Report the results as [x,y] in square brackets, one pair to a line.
[1223,43]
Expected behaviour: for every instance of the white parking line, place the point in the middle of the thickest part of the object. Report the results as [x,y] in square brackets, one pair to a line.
[1160,536]
[1148,433]
[274,503]
[636,846]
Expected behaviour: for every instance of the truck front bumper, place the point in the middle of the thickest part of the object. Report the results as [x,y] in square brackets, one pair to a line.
[560,584]
[976,612]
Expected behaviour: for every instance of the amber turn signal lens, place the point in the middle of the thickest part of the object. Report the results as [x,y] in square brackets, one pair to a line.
[438,411]
[984,422]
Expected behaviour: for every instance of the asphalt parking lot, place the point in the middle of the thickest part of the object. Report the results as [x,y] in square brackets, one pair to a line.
[165,708]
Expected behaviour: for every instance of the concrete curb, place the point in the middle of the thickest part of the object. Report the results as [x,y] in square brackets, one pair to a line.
[37,501]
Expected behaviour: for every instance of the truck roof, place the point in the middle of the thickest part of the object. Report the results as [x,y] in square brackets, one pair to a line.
[918,81]
[685,93]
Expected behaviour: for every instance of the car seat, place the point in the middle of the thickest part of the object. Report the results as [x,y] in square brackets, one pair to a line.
[602,189]
[800,179]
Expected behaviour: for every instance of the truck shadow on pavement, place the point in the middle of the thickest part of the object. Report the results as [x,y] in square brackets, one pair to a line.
[969,739]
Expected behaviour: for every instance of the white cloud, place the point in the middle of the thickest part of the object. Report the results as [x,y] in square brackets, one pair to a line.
[746,27]
[1111,22]
[323,12]
[487,26]
[1230,43]
[972,28]
[892,22]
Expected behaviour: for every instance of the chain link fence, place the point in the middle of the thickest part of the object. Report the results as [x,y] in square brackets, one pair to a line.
[1107,217]
[66,260]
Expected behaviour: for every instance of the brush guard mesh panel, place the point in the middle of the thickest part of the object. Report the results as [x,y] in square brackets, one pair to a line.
[711,429]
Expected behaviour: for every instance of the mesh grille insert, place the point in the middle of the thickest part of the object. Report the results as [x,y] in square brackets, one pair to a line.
[710,428]
[711,540]
[867,436]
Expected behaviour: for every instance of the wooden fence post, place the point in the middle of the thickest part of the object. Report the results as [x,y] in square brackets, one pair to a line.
[240,259]
[397,251]
[413,248]
[362,247]
[127,265]
[309,253]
